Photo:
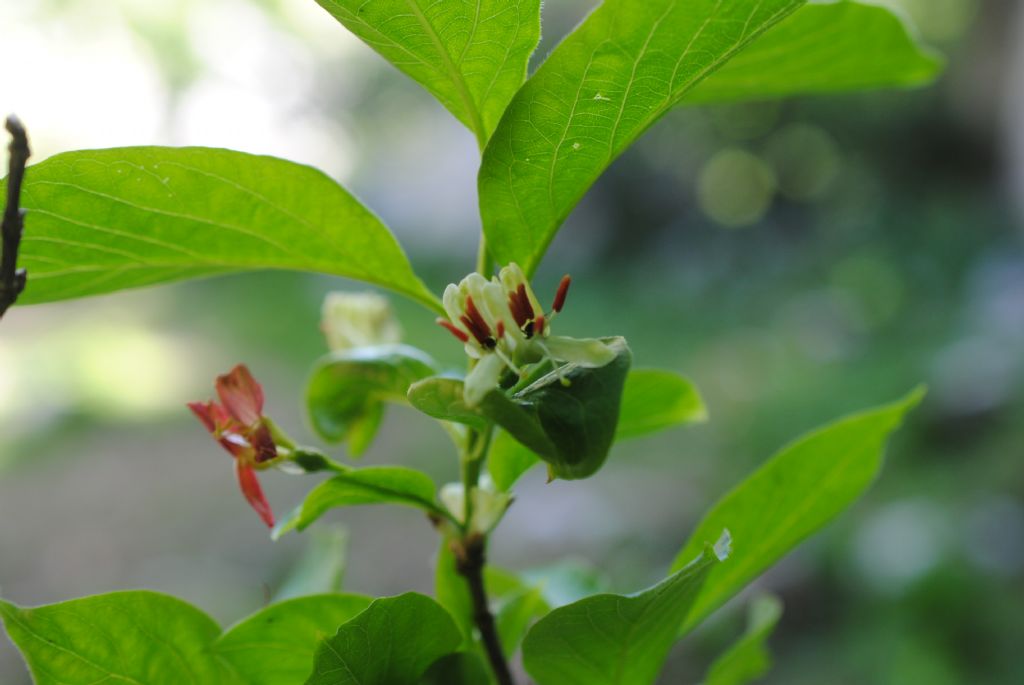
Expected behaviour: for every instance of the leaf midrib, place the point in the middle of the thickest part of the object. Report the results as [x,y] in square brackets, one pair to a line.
[476,120]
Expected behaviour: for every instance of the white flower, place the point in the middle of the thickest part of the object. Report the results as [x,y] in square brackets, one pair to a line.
[358,320]
[502,325]
[489,504]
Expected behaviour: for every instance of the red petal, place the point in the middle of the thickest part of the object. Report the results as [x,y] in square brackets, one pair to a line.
[212,415]
[253,492]
[204,412]
[241,394]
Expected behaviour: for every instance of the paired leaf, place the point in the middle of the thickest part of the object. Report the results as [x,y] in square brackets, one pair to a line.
[394,641]
[106,220]
[616,639]
[370,485]
[630,62]
[652,400]
[795,493]
[567,417]
[276,645]
[471,56]
[748,659]
[346,391]
[823,49]
[133,637]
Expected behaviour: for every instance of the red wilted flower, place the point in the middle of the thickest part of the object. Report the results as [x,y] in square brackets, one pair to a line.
[237,423]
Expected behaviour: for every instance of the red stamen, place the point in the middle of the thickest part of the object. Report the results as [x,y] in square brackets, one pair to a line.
[563,290]
[501,329]
[524,300]
[476,325]
[538,324]
[454,330]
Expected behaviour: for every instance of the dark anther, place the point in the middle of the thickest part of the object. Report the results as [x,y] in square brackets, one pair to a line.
[563,290]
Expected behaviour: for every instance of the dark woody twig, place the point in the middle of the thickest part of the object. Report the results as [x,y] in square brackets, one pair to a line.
[12,279]
[469,562]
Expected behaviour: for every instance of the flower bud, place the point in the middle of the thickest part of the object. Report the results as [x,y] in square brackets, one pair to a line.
[489,504]
[358,320]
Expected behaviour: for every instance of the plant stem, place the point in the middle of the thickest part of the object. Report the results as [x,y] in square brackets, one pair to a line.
[12,279]
[470,564]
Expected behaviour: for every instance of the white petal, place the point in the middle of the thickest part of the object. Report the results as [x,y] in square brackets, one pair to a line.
[450,299]
[482,379]
[588,352]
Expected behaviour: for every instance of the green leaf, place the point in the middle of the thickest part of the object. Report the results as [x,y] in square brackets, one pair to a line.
[616,639]
[346,390]
[276,645]
[631,62]
[748,659]
[105,220]
[567,416]
[391,643]
[131,637]
[823,49]
[320,569]
[442,398]
[460,668]
[799,490]
[652,400]
[471,56]
[370,485]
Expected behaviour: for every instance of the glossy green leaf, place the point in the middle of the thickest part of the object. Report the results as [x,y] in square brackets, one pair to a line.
[799,490]
[823,49]
[370,485]
[628,64]
[393,642]
[130,637]
[616,639]
[471,55]
[652,400]
[276,645]
[320,569]
[106,220]
[347,389]
[748,659]
[460,668]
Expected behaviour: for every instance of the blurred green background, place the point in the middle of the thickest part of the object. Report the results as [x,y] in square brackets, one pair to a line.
[798,260]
